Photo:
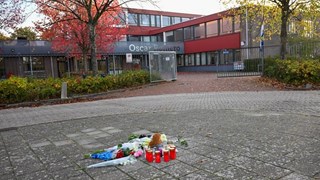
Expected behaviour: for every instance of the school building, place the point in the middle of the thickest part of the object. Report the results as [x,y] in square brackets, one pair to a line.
[200,42]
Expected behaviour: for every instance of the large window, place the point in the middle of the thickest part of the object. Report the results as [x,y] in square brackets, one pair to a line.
[213,58]
[153,20]
[132,19]
[166,21]
[198,59]
[227,57]
[160,37]
[26,64]
[169,36]
[186,60]
[203,58]
[185,19]
[180,59]
[144,19]
[146,38]
[38,64]
[226,25]
[153,39]
[158,21]
[191,59]
[199,31]
[134,38]
[237,23]
[32,65]
[176,20]
[237,55]
[122,18]
[178,35]
[212,28]
[188,33]
[102,65]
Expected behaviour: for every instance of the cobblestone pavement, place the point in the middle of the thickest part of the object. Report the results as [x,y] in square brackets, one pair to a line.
[231,135]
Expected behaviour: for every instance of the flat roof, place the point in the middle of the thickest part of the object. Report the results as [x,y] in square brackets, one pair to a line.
[166,13]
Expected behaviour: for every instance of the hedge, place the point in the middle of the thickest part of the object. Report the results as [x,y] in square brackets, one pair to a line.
[294,72]
[18,89]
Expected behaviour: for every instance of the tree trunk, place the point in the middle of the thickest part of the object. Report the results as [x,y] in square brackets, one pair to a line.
[92,29]
[85,62]
[284,33]
[75,63]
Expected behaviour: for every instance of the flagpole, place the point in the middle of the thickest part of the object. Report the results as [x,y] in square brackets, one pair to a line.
[262,40]
[247,32]
[262,61]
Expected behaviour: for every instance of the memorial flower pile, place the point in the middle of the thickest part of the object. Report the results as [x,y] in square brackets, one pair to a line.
[152,147]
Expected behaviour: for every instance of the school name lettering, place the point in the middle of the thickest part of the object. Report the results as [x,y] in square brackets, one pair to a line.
[143,48]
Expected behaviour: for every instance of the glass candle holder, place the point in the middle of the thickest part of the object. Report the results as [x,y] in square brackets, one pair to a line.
[149,155]
[172,152]
[157,157]
[166,157]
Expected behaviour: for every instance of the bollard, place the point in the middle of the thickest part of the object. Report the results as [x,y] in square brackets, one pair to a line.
[64,91]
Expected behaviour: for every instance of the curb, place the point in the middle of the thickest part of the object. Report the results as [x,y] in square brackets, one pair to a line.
[74,99]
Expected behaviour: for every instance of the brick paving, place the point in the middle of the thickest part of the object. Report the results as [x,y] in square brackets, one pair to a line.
[259,133]
[197,82]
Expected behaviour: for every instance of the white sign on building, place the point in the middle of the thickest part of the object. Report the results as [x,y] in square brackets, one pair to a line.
[129,57]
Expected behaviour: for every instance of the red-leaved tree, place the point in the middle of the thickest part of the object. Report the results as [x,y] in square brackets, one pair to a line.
[87,11]
[11,13]
[72,36]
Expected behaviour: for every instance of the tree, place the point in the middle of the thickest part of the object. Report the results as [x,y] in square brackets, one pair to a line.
[86,11]
[286,8]
[25,32]
[11,13]
[306,23]
[72,36]
[3,37]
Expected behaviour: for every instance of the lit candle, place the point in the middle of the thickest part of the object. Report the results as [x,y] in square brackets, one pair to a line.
[166,155]
[158,157]
[172,152]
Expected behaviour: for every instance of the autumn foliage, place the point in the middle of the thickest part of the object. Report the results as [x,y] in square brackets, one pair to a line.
[11,13]
[71,34]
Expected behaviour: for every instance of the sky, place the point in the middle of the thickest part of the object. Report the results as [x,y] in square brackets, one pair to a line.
[203,7]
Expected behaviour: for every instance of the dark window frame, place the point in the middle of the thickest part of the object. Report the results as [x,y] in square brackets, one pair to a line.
[136,21]
[141,20]
[186,34]
[202,31]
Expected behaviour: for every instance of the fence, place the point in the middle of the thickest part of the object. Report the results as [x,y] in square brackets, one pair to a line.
[246,62]
[301,50]
[250,61]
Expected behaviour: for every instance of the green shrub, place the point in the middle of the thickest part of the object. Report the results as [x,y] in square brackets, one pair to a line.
[13,90]
[17,89]
[295,72]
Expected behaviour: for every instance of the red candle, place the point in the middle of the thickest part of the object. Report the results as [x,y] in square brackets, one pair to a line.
[149,155]
[172,152]
[158,157]
[166,155]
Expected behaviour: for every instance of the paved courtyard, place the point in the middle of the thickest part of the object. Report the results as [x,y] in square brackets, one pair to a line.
[231,135]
